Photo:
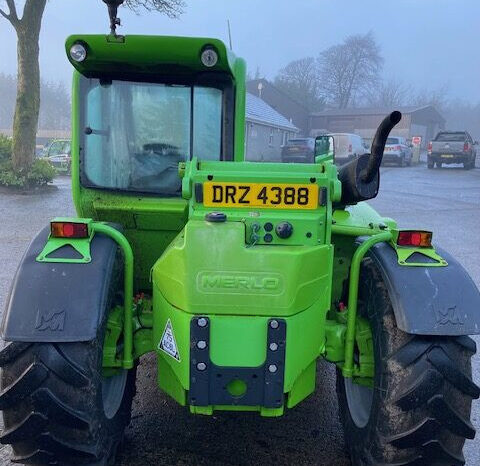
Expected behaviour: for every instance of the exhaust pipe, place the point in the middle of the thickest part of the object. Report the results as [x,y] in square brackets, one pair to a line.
[378,145]
[360,178]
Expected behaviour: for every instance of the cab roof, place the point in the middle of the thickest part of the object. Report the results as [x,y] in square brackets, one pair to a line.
[148,54]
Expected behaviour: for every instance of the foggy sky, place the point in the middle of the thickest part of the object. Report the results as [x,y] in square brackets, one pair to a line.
[425,43]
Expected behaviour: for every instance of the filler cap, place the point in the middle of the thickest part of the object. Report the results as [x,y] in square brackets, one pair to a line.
[216,217]
[284,230]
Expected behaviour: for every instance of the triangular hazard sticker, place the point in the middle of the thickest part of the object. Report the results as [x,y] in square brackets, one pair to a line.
[168,343]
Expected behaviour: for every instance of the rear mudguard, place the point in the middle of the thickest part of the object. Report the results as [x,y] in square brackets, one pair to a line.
[430,300]
[59,302]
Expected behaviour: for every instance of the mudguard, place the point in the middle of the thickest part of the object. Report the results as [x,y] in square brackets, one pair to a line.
[430,300]
[59,302]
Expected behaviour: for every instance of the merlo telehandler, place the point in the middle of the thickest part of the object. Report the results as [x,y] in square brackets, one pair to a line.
[238,275]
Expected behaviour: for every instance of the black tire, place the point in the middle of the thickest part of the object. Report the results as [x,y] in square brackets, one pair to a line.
[438,164]
[470,164]
[420,406]
[57,406]
[430,163]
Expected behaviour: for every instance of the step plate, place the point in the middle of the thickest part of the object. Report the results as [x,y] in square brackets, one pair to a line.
[208,382]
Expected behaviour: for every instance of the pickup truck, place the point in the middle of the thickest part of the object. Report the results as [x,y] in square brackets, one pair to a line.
[452,147]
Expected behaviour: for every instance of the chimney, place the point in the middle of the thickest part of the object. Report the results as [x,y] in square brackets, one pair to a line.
[260,88]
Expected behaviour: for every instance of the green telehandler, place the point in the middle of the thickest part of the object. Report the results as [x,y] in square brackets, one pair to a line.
[239,276]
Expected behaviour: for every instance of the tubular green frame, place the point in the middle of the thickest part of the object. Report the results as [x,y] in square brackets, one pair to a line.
[382,237]
[124,245]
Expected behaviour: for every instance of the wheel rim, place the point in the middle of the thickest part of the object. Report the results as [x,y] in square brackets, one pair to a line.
[113,389]
[360,400]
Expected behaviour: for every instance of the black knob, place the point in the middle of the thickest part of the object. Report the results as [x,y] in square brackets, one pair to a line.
[284,230]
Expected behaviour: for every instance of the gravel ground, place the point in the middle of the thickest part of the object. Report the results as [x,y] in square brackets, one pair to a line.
[446,201]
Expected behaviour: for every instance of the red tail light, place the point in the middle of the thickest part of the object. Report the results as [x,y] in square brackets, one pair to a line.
[398,148]
[466,147]
[69,230]
[422,239]
[350,148]
[430,147]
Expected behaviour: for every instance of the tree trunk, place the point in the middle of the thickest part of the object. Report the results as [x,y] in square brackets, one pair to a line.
[27,107]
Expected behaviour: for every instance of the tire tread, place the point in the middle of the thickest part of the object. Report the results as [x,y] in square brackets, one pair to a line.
[46,422]
[425,392]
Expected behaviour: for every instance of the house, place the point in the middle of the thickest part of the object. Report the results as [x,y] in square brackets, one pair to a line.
[424,121]
[266,131]
[281,102]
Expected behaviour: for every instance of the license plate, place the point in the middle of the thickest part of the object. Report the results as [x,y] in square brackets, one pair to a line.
[447,156]
[260,195]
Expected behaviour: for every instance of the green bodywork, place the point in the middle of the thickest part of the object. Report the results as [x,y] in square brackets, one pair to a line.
[178,265]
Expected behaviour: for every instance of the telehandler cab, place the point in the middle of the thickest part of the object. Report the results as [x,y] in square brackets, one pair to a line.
[239,276]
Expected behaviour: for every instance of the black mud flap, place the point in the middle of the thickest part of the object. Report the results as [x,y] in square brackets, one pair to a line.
[59,302]
[430,300]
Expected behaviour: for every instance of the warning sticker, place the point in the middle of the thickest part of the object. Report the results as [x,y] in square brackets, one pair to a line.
[168,343]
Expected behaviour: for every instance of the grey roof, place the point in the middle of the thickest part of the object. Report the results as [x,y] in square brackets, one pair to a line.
[260,112]
[369,111]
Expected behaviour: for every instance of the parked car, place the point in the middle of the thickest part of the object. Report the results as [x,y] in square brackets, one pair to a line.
[299,150]
[397,150]
[39,150]
[368,143]
[452,147]
[348,146]
[58,154]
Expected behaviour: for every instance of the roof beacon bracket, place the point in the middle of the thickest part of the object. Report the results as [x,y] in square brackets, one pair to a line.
[112,12]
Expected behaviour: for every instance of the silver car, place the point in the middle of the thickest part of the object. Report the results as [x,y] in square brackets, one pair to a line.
[397,151]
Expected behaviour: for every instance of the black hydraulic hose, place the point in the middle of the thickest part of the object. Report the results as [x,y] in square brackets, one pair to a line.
[378,145]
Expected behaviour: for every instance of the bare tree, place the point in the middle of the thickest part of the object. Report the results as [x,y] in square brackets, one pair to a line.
[349,70]
[300,80]
[436,97]
[8,86]
[27,105]
[171,8]
[463,115]
[54,111]
[390,93]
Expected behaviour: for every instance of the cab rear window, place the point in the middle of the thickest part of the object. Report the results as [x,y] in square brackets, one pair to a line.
[453,137]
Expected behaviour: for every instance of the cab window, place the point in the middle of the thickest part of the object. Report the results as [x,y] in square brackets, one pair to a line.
[136,133]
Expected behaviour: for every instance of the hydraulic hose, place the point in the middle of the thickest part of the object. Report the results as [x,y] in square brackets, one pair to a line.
[378,146]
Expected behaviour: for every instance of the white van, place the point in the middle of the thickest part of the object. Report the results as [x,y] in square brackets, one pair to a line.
[348,146]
